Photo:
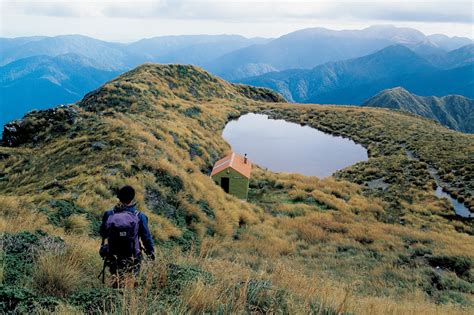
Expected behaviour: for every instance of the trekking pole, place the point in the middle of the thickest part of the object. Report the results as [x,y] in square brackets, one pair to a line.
[103,253]
[103,272]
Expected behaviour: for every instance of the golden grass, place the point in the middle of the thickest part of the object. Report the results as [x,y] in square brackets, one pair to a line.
[322,241]
[58,271]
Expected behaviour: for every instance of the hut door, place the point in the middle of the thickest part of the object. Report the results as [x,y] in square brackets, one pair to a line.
[225,184]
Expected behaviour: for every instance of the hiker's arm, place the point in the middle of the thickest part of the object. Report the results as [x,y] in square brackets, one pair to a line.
[102,231]
[145,235]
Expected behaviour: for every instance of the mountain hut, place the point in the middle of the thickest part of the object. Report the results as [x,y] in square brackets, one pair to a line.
[232,173]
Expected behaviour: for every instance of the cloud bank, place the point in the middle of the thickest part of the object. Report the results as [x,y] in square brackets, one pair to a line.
[245,10]
[128,20]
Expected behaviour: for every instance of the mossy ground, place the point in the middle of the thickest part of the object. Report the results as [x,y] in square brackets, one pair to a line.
[298,245]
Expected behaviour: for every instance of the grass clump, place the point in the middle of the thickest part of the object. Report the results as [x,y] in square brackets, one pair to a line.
[72,218]
[50,277]
[192,111]
[298,245]
[263,298]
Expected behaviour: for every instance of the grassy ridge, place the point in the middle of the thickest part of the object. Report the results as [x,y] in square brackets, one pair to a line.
[300,244]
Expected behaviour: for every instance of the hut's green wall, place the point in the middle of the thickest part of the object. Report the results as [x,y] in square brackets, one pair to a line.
[238,184]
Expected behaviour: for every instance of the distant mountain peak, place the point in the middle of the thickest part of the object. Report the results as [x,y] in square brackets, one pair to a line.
[397,89]
[398,49]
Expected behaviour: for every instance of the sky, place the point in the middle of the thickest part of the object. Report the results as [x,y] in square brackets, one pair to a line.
[131,20]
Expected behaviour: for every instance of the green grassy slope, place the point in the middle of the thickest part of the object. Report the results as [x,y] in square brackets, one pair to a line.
[299,245]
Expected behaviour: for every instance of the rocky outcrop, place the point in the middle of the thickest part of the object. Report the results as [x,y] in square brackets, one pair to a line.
[37,125]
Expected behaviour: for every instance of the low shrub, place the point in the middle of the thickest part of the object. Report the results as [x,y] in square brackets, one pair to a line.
[204,206]
[192,111]
[175,183]
[94,300]
[19,252]
[180,276]
[461,265]
[18,300]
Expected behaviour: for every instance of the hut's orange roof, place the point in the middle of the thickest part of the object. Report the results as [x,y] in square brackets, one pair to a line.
[235,161]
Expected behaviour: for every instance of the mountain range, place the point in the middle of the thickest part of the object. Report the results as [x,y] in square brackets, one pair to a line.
[353,81]
[40,72]
[195,49]
[453,111]
[39,82]
[310,65]
[311,47]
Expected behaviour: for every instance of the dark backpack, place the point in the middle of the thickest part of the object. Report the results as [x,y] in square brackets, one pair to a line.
[122,235]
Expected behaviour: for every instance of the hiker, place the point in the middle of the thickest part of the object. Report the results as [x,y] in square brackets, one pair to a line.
[125,229]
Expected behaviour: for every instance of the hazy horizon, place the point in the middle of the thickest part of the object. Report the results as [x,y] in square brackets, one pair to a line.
[126,21]
[227,34]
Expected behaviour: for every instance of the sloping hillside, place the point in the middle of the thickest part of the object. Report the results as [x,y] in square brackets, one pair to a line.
[445,59]
[453,111]
[457,58]
[298,245]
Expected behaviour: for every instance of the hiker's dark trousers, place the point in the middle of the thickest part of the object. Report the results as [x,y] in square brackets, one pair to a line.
[126,266]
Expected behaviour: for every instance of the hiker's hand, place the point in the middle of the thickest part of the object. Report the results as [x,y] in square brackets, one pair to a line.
[151,256]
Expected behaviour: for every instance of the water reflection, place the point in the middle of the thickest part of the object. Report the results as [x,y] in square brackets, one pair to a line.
[288,147]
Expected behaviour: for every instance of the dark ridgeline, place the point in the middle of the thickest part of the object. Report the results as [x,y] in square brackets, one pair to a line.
[453,111]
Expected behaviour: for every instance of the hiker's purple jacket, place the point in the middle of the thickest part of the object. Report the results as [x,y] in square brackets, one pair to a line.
[143,231]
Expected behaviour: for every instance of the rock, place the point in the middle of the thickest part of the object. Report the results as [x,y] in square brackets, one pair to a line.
[36,125]
[98,145]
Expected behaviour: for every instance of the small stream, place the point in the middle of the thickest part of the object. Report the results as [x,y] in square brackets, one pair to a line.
[459,207]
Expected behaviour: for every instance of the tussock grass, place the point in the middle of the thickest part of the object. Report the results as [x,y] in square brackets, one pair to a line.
[52,278]
[298,245]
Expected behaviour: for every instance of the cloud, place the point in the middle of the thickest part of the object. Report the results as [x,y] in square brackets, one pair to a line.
[254,11]
[416,11]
